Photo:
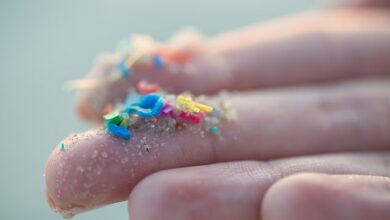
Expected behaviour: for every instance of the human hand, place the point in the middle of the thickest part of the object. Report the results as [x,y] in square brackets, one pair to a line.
[249,175]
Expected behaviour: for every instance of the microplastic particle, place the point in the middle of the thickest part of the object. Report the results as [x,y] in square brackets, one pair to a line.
[119,131]
[125,122]
[193,106]
[167,109]
[113,117]
[125,70]
[214,130]
[149,106]
[192,117]
[158,62]
[145,87]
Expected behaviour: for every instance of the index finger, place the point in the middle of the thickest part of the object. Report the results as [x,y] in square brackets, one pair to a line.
[94,168]
[307,48]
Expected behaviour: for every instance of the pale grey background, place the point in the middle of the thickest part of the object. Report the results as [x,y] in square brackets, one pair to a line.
[46,42]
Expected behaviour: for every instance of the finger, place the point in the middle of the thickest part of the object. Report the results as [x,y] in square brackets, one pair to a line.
[271,124]
[321,197]
[238,190]
[308,48]
[372,3]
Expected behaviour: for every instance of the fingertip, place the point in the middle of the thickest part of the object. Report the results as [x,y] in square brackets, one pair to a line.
[58,184]
[144,201]
[79,174]
[92,169]
[322,197]
[296,197]
[171,195]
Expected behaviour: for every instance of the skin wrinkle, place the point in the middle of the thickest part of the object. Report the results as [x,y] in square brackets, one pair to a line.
[230,177]
[354,163]
[327,197]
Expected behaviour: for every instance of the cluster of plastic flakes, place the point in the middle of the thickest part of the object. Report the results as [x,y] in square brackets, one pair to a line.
[115,126]
[162,112]
[144,50]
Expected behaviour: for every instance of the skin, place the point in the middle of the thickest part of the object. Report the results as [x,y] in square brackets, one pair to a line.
[312,141]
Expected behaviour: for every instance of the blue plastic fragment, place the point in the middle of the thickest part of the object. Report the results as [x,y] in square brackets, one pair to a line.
[124,69]
[149,100]
[214,130]
[62,147]
[158,62]
[119,131]
[158,107]
[149,106]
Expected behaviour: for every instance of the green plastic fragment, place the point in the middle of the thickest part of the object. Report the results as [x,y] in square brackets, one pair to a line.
[113,117]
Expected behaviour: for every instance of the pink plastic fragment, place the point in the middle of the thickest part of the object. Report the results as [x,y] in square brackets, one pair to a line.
[167,110]
[194,118]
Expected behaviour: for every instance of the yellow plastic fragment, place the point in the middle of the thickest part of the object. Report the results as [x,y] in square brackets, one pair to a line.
[183,100]
[125,122]
[203,107]
[191,105]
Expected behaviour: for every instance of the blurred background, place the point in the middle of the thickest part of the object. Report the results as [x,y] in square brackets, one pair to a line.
[44,43]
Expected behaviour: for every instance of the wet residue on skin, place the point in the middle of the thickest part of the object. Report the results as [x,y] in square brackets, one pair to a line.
[83,183]
[113,156]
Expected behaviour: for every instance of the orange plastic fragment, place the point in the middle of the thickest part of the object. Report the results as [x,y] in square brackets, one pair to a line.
[173,55]
[145,87]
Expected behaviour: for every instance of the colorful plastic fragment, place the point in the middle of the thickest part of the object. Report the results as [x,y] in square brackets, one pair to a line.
[149,106]
[119,131]
[125,122]
[124,69]
[62,147]
[191,117]
[173,55]
[113,117]
[145,87]
[214,129]
[167,110]
[192,106]
[158,62]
